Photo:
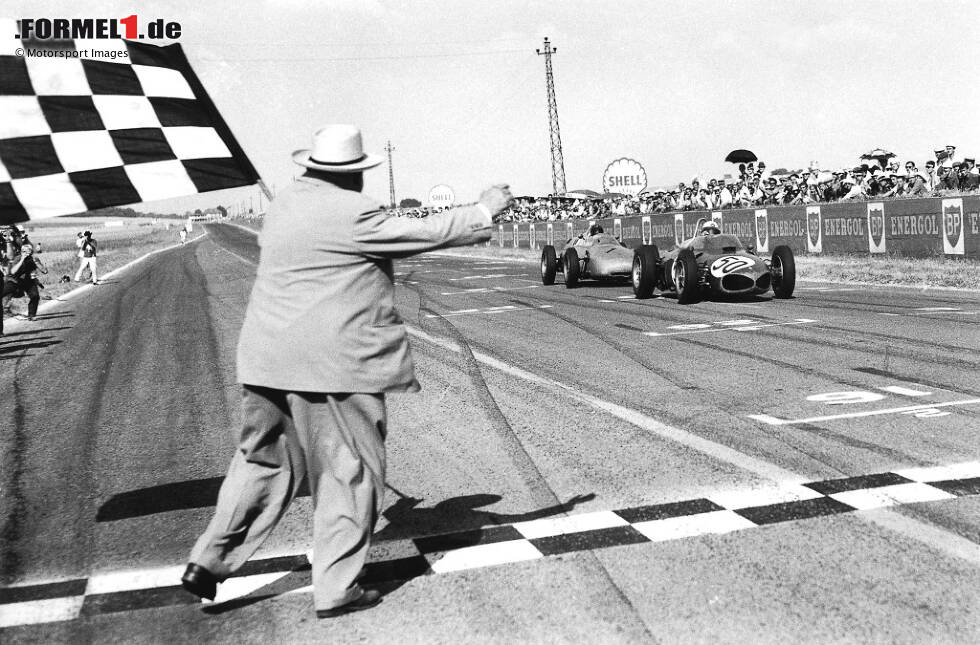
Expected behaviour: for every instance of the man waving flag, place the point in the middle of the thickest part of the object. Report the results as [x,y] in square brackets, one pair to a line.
[87,124]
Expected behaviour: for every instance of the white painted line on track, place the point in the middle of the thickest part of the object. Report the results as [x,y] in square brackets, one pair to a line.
[488,290]
[891,495]
[570,524]
[114,581]
[776,421]
[485,555]
[675,528]
[780,494]
[699,328]
[490,311]
[490,276]
[939,473]
[35,612]
[946,541]
[718,451]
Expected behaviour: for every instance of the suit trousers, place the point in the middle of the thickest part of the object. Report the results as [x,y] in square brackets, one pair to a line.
[334,441]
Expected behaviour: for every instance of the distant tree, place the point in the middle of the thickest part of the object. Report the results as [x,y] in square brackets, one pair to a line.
[198,213]
[409,202]
[222,211]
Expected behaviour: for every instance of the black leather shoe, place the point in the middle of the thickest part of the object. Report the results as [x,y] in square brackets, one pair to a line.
[199,581]
[368,599]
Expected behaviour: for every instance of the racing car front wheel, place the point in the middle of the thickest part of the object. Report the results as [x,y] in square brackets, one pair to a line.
[783,272]
[572,268]
[686,277]
[645,263]
[549,264]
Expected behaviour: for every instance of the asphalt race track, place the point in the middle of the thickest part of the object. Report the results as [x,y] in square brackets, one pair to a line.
[580,466]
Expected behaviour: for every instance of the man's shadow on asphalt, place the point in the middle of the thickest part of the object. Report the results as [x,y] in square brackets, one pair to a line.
[13,349]
[456,522]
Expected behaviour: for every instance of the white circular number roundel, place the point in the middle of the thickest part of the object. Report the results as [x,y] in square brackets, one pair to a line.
[729,264]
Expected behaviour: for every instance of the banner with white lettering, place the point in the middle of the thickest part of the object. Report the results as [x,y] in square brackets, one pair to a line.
[876,227]
[953,229]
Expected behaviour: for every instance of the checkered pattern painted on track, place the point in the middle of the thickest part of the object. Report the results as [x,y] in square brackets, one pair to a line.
[721,512]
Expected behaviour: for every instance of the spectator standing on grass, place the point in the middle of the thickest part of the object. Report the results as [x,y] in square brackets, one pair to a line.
[88,251]
[183,235]
[23,281]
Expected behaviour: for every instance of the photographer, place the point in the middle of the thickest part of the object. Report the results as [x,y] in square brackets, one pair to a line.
[23,281]
[87,252]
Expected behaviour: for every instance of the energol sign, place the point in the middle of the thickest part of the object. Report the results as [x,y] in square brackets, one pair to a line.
[625,176]
[441,195]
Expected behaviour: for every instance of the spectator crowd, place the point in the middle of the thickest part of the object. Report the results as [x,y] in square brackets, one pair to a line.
[754,185]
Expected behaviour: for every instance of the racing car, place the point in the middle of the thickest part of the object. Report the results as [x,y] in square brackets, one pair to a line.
[712,263]
[594,255]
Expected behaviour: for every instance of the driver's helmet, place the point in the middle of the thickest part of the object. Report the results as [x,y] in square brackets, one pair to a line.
[710,228]
[595,229]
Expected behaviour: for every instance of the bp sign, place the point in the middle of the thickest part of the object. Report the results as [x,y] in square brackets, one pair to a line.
[441,195]
[625,176]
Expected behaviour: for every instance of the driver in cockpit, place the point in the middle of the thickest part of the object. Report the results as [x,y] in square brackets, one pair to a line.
[710,228]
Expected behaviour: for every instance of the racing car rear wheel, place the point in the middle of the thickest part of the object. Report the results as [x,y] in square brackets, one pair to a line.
[549,264]
[572,268]
[646,260]
[686,277]
[783,271]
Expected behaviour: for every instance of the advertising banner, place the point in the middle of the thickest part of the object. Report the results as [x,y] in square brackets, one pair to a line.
[624,176]
[953,230]
[762,230]
[876,227]
[814,234]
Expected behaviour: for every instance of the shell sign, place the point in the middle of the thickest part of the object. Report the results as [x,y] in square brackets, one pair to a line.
[625,176]
[441,195]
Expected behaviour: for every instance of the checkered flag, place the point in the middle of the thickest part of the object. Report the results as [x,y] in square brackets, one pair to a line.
[128,123]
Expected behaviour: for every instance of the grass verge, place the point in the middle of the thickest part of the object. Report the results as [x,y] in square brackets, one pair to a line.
[118,245]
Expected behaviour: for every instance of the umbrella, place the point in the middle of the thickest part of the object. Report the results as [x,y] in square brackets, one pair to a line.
[881,156]
[741,156]
[582,194]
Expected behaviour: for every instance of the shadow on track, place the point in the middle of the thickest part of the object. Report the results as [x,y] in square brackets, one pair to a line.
[388,575]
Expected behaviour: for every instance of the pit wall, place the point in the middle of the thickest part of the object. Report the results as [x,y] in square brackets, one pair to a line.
[910,227]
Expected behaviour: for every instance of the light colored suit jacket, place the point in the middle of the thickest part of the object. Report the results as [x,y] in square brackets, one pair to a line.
[321,317]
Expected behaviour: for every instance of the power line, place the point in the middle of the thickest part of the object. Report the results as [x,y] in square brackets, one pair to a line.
[319,59]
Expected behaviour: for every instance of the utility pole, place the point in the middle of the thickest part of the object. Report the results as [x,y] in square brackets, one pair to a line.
[557,162]
[391,173]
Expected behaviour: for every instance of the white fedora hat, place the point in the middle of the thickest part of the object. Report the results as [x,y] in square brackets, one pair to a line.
[337,148]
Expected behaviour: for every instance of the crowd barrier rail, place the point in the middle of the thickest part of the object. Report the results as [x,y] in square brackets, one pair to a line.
[927,227]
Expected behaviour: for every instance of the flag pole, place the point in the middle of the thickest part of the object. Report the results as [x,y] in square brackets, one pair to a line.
[265,190]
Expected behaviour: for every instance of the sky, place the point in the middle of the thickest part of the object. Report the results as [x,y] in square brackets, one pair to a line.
[458,89]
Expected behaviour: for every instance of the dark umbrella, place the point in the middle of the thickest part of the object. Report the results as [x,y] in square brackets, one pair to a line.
[879,155]
[741,156]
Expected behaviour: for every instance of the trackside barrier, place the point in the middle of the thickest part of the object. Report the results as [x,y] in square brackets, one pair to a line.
[908,227]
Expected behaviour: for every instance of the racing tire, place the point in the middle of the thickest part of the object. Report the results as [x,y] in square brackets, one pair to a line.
[686,277]
[572,268]
[646,262]
[666,271]
[782,268]
[549,264]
